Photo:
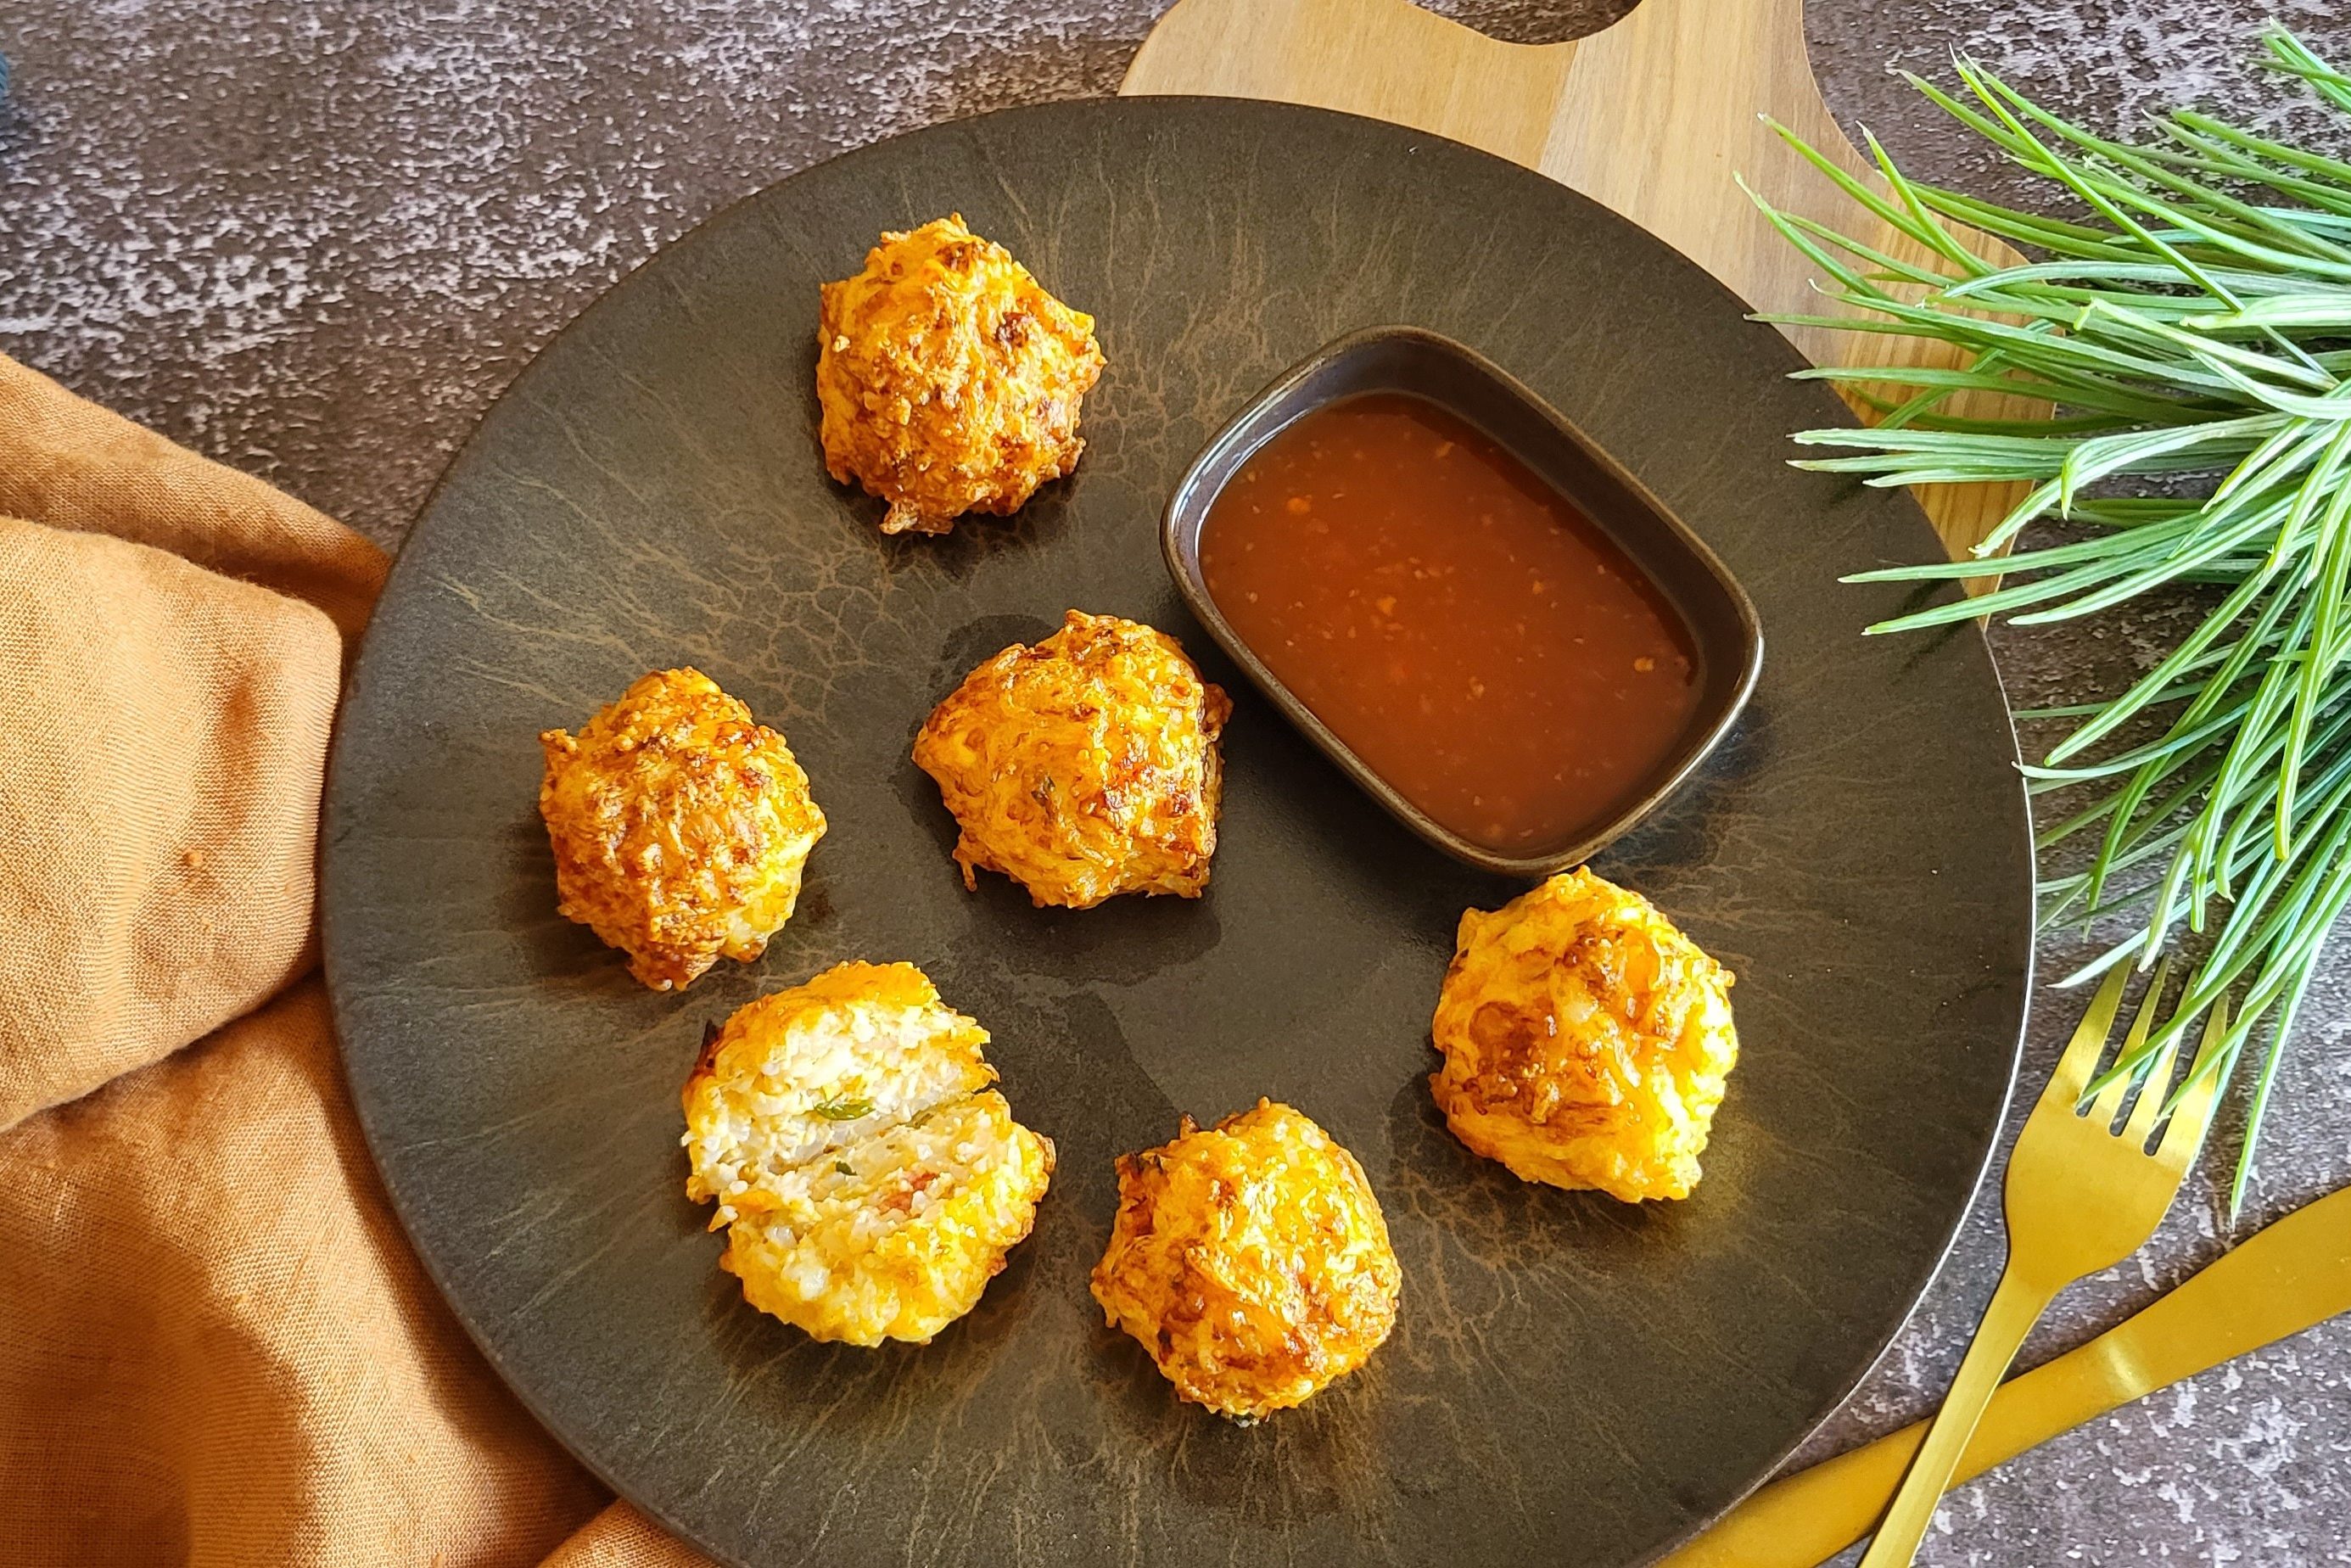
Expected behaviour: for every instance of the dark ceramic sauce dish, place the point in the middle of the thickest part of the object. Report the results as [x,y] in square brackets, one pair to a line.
[1715,612]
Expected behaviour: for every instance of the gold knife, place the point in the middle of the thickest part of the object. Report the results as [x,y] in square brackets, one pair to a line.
[2293,1275]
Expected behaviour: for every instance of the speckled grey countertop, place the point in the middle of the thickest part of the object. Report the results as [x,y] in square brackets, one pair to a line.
[314,238]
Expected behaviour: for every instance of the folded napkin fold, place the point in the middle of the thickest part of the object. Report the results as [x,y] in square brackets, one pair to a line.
[216,1344]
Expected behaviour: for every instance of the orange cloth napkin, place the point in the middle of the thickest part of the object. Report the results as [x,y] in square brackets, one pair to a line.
[216,1345]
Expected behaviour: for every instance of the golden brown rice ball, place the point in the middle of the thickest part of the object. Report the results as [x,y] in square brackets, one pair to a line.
[870,1179]
[1586,1040]
[680,827]
[1084,766]
[1250,1260]
[950,382]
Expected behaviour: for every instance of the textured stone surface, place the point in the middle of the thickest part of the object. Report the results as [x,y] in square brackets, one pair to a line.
[316,239]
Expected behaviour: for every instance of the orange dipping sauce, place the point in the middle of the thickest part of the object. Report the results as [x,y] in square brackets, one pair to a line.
[1468,633]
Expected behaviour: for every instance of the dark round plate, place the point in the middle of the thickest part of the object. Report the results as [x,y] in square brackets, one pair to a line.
[1570,1378]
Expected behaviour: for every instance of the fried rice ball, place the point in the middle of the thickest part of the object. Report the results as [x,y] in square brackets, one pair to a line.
[1586,1040]
[949,382]
[870,1181]
[1084,766]
[1251,1261]
[680,827]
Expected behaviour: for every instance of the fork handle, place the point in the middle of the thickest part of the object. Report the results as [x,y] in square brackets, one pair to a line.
[2016,1305]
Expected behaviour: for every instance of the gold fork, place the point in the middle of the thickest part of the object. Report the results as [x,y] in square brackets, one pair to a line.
[2079,1200]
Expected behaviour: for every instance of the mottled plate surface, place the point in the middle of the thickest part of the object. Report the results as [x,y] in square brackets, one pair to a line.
[1570,1379]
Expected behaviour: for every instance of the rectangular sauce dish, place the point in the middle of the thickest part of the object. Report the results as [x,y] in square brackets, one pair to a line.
[1478,614]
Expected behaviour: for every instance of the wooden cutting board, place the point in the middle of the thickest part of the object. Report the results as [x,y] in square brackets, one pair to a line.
[1653,116]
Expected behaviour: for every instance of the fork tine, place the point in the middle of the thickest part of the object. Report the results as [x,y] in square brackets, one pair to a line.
[2089,1042]
[2157,1081]
[2110,1099]
[2194,1114]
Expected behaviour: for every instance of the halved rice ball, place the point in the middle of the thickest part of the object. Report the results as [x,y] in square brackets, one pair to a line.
[872,1181]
